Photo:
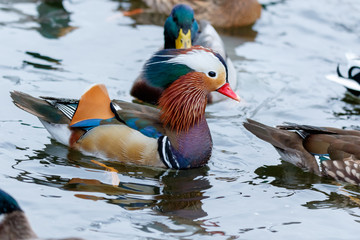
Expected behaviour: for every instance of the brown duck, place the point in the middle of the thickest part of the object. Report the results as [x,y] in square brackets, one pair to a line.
[220,13]
[324,151]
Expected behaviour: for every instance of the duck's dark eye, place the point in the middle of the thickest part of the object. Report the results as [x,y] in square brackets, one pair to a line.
[175,19]
[212,74]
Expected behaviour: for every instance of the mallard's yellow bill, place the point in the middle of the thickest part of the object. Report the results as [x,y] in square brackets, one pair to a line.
[183,40]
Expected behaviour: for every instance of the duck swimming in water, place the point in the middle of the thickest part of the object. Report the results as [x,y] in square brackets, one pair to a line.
[175,135]
[181,30]
[324,151]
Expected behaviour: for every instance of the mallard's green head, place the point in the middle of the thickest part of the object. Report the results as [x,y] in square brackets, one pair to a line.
[180,28]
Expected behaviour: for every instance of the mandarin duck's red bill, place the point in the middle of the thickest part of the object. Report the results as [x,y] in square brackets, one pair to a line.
[227,91]
[322,150]
[182,31]
[167,136]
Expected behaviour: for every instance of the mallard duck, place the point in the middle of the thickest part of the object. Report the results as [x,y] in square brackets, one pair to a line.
[352,81]
[181,30]
[220,13]
[324,151]
[174,136]
[15,225]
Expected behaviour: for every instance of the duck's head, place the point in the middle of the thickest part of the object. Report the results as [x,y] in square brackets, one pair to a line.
[187,76]
[202,66]
[180,27]
[7,203]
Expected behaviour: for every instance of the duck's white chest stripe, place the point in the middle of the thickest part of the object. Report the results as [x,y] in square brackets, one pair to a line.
[165,153]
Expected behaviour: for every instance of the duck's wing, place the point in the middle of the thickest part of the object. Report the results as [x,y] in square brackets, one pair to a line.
[140,117]
[338,144]
[41,108]
[288,144]
[341,155]
[337,150]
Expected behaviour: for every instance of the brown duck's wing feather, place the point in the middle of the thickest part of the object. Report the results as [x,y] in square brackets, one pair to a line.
[318,130]
[306,128]
[38,107]
[337,146]
[343,131]
[288,144]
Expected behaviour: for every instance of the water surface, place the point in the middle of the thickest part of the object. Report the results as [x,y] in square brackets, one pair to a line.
[245,191]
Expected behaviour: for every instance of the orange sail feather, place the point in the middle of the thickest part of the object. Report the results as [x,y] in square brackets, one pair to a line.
[93,104]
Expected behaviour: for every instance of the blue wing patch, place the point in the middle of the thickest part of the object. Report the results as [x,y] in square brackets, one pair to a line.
[144,127]
[91,123]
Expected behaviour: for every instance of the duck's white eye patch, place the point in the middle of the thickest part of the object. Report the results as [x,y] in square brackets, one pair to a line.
[200,61]
[211,74]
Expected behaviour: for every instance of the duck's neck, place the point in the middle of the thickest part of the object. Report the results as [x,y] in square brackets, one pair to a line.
[183,103]
[182,112]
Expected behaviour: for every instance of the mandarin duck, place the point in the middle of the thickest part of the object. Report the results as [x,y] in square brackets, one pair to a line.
[181,30]
[15,225]
[324,151]
[220,13]
[352,81]
[174,136]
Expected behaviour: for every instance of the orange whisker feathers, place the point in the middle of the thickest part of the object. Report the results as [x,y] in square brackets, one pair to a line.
[183,103]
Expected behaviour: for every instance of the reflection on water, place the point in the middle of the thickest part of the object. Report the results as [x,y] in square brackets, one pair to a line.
[176,193]
[352,107]
[288,176]
[336,201]
[54,63]
[53,18]
[291,177]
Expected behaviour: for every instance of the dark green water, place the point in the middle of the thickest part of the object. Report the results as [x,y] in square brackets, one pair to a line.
[245,192]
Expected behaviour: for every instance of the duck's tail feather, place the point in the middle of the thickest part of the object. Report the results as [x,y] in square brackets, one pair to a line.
[38,107]
[7,203]
[288,144]
[264,132]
